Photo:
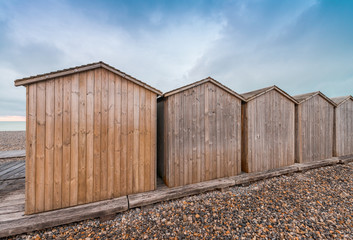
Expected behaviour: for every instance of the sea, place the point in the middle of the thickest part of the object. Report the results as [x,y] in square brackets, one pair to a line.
[12,126]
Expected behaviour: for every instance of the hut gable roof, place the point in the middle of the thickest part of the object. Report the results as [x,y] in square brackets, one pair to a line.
[257,93]
[305,97]
[208,79]
[82,68]
[341,100]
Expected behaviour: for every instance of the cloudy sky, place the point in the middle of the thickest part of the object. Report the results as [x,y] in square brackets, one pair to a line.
[300,46]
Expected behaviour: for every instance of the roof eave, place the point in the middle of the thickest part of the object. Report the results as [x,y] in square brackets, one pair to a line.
[48,76]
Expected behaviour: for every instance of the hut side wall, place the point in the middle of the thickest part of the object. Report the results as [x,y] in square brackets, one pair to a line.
[202,132]
[344,129]
[315,122]
[90,136]
[268,132]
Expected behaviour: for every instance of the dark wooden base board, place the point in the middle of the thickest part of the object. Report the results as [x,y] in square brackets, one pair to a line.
[28,223]
[159,195]
[106,210]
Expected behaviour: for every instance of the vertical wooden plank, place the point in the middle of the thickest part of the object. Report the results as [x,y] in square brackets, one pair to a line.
[40,147]
[74,140]
[143,182]
[130,143]
[90,136]
[66,141]
[171,140]
[82,146]
[176,121]
[49,144]
[124,137]
[213,126]
[153,141]
[185,138]
[207,134]
[198,133]
[31,149]
[189,136]
[58,153]
[181,111]
[97,135]
[104,136]
[218,132]
[203,130]
[111,134]
[193,135]
[148,145]
[117,119]
[136,133]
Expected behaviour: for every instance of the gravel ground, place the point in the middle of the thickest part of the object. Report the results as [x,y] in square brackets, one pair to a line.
[12,140]
[317,204]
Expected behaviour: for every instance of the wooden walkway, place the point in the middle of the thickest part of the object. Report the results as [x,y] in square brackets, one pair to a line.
[12,154]
[12,197]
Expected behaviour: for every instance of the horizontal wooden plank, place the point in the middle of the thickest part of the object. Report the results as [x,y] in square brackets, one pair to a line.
[62,216]
[346,159]
[12,154]
[316,164]
[253,177]
[164,194]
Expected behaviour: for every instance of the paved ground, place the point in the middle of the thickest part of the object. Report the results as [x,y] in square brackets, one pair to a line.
[316,204]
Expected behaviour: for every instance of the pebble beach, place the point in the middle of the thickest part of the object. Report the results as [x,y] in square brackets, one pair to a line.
[12,140]
[317,204]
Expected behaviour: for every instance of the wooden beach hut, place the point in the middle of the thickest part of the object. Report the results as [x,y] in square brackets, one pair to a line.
[91,135]
[314,127]
[343,126]
[268,131]
[199,133]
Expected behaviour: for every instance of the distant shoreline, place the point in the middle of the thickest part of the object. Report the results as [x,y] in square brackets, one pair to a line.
[12,126]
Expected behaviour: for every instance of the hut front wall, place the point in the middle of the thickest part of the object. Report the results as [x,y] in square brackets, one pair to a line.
[202,135]
[90,136]
[315,122]
[344,129]
[268,132]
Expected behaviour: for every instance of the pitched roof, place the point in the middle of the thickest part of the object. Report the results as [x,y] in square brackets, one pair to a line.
[305,97]
[340,100]
[257,93]
[208,79]
[82,68]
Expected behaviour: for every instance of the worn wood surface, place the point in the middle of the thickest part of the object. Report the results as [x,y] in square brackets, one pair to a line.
[12,154]
[247,178]
[164,193]
[268,131]
[90,136]
[16,222]
[344,128]
[199,135]
[314,128]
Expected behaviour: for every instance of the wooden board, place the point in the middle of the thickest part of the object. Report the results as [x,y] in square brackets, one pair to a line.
[201,135]
[91,136]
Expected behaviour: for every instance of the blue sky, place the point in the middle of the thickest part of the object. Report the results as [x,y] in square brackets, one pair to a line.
[300,46]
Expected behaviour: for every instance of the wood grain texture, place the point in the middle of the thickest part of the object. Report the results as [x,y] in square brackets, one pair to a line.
[314,130]
[202,135]
[268,132]
[344,128]
[91,136]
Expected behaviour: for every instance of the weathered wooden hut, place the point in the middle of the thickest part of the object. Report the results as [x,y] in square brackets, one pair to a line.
[199,133]
[268,131]
[314,127]
[91,135]
[343,144]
